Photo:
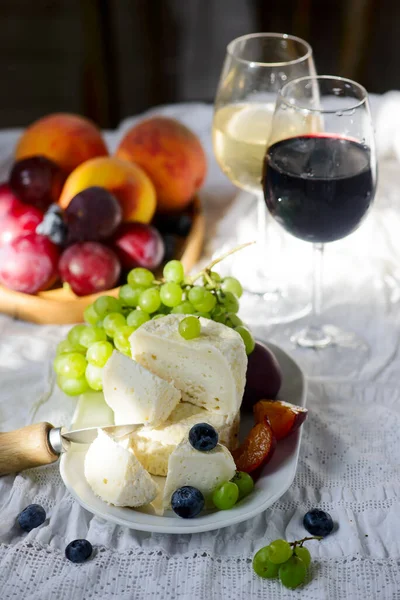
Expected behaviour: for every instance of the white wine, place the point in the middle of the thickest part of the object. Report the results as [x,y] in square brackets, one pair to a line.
[240,136]
[240,133]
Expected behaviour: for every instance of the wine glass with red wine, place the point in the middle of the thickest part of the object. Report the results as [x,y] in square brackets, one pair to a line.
[319,186]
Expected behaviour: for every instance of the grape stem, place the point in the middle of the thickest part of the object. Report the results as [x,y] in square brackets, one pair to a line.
[207,269]
[306,539]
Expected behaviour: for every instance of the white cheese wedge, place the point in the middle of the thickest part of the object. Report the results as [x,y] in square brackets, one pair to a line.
[115,474]
[202,470]
[210,370]
[154,445]
[136,395]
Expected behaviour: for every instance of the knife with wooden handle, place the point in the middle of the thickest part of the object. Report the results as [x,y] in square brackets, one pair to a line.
[42,444]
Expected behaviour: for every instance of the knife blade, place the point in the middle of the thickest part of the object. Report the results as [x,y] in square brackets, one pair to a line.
[89,434]
[59,438]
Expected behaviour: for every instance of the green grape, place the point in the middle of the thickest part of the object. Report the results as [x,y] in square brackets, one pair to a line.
[65,346]
[279,551]
[73,386]
[90,315]
[140,276]
[74,335]
[70,365]
[190,328]
[186,308]
[231,284]
[209,302]
[94,377]
[121,340]
[171,294]
[229,301]
[196,295]
[303,553]
[113,322]
[99,353]
[216,277]
[106,305]
[173,271]
[158,316]
[91,335]
[136,318]
[247,338]
[232,320]
[263,566]
[202,300]
[245,483]
[129,295]
[219,314]
[225,495]
[293,572]
[205,315]
[149,300]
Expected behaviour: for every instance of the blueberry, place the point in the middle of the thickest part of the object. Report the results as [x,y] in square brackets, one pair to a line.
[53,225]
[78,551]
[187,502]
[54,209]
[31,517]
[318,522]
[203,437]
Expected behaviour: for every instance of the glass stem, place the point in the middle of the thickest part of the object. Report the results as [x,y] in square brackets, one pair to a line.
[261,224]
[318,255]
[315,336]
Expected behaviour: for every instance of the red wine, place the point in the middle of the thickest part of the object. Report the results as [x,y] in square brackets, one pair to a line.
[319,188]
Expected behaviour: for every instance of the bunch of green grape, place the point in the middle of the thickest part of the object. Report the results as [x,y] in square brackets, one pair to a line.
[288,561]
[109,321]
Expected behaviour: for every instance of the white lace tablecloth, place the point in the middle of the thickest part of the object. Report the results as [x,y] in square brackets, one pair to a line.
[349,460]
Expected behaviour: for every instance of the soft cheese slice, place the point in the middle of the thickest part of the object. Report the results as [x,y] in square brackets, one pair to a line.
[154,445]
[136,395]
[203,470]
[115,474]
[210,370]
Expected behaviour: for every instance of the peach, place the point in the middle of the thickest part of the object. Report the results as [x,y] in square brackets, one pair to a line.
[128,182]
[68,140]
[171,155]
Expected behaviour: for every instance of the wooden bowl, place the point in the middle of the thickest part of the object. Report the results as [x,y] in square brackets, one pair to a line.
[62,306]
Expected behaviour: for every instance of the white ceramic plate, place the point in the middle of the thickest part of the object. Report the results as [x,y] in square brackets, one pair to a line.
[275,478]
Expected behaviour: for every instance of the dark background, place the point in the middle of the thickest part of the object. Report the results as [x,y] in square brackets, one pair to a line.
[109,59]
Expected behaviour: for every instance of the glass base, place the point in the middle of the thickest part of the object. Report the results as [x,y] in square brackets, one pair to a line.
[325,336]
[313,337]
[272,295]
[280,305]
[328,352]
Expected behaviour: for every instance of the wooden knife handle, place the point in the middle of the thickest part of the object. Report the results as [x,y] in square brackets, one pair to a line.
[26,448]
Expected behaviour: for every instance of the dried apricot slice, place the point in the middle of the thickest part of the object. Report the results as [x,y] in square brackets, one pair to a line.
[257,448]
[283,416]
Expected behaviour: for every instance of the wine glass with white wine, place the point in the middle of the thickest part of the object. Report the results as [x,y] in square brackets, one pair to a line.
[256,67]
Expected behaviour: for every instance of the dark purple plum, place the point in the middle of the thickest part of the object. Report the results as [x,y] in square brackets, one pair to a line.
[37,181]
[263,378]
[92,215]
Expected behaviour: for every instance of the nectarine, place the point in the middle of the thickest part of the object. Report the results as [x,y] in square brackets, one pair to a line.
[128,182]
[171,155]
[68,140]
